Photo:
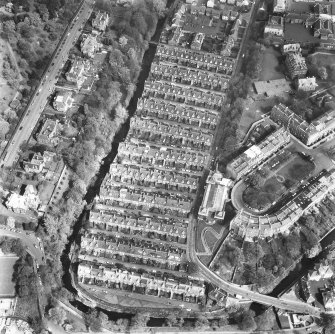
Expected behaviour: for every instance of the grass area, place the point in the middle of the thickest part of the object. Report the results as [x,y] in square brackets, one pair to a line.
[211,239]
[269,65]
[299,169]
[263,197]
[287,175]
[27,309]
[298,33]
[7,287]
[323,59]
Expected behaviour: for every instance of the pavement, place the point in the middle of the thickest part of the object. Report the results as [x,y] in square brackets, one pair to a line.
[46,86]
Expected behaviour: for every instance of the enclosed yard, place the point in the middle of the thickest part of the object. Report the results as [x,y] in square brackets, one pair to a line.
[287,174]
[7,287]
[270,65]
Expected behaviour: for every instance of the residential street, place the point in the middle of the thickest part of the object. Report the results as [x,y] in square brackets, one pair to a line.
[39,100]
[33,244]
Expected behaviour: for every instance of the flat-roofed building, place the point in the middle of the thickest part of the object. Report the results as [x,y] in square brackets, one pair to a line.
[291,48]
[216,195]
[272,87]
[306,84]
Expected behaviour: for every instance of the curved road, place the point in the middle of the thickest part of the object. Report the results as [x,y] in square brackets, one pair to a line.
[46,86]
[29,240]
[233,289]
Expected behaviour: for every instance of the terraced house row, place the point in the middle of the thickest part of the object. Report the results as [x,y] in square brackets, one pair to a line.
[140,218]
[195,59]
[251,226]
[151,285]
[183,94]
[175,113]
[165,134]
[192,77]
[158,227]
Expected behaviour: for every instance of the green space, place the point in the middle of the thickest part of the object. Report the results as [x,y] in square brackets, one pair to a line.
[267,185]
[269,65]
[211,239]
[7,287]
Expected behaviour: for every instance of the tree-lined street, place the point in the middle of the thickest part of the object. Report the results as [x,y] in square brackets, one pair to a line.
[38,101]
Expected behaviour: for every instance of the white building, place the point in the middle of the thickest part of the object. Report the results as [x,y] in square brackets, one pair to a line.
[291,48]
[307,84]
[216,195]
[23,203]
[279,6]
[63,101]
[275,26]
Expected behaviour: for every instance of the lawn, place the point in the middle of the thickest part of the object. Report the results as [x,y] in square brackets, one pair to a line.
[270,64]
[263,197]
[7,287]
[297,170]
[286,176]
[211,239]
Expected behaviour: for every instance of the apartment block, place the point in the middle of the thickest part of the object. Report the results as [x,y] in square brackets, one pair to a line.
[257,154]
[319,130]
[296,65]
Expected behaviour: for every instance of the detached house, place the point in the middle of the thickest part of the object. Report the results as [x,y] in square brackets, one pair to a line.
[100,22]
[89,45]
[23,203]
[37,162]
[49,133]
[306,84]
[63,101]
[77,71]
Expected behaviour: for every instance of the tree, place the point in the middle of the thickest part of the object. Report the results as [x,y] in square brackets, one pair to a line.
[265,321]
[159,7]
[327,322]
[139,320]
[322,73]
[57,315]
[92,321]
[171,320]
[201,322]
[245,320]
[191,267]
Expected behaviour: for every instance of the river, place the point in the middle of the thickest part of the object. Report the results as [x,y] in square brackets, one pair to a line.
[94,189]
